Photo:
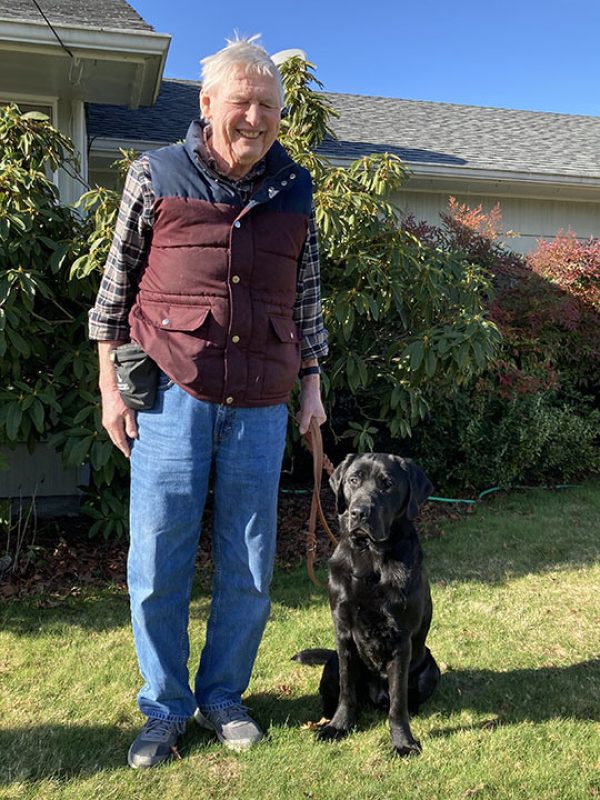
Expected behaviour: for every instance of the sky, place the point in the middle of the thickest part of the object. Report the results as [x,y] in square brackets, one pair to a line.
[539,55]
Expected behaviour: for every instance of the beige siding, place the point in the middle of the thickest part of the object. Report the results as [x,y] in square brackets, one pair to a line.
[531,219]
[38,474]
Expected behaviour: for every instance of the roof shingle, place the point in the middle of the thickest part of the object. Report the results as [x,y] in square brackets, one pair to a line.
[80,13]
[419,132]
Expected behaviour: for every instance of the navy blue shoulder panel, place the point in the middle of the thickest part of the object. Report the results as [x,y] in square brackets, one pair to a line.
[175,172]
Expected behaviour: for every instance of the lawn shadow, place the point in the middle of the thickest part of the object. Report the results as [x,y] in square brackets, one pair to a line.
[61,751]
[93,610]
[524,695]
[515,535]
[521,695]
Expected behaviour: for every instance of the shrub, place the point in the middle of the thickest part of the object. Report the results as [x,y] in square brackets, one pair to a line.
[405,317]
[533,415]
[48,370]
[476,440]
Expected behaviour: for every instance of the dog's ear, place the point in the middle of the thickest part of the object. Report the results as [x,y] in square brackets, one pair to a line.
[336,481]
[420,487]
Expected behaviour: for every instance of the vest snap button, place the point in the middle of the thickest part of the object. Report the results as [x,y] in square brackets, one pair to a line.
[237,224]
[235,339]
[292,176]
[166,322]
[235,279]
[229,400]
[284,183]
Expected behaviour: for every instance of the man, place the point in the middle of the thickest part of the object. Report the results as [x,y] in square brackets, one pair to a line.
[214,272]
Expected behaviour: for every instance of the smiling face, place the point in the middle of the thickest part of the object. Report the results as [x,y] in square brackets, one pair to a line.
[244,112]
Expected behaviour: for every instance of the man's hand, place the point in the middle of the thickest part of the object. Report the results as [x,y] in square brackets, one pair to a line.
[311,404]
[118,420]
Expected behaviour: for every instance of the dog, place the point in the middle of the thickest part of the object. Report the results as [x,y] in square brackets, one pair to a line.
[380,600]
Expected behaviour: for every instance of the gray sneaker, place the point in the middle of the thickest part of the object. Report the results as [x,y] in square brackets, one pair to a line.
[234,727]
[154,743]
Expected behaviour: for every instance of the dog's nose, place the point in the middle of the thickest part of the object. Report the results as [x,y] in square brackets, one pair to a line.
[359,514]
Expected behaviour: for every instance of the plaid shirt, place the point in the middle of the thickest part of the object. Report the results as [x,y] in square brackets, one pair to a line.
[108,319]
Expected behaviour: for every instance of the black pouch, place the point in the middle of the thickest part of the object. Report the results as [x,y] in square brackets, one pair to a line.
[137,376]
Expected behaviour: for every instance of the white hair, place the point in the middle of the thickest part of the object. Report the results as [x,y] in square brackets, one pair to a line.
[240,51]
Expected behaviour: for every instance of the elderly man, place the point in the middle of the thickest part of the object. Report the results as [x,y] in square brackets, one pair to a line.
[214,272]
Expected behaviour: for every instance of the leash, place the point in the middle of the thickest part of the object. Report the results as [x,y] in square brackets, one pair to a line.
[314,442]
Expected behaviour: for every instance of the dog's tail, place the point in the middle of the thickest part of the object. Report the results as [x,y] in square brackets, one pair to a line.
[316,655]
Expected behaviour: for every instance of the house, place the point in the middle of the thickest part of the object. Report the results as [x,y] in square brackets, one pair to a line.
[57,56]
[543,168]
[96,69]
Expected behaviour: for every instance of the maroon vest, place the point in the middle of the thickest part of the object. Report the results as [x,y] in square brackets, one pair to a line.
[216,296]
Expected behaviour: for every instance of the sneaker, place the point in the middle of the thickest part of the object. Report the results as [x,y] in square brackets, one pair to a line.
[234,727]
[154,743]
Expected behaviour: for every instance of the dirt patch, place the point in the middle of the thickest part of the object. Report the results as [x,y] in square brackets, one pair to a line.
[60,559]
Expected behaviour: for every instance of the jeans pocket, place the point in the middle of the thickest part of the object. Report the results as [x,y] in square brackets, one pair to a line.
[164,382]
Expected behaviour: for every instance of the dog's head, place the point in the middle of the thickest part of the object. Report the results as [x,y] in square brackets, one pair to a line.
[375,489]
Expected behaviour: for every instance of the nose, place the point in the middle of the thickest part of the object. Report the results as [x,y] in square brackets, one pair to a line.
[359,514]
[253,114]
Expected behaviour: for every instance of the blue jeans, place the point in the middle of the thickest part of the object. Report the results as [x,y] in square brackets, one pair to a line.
[180,440]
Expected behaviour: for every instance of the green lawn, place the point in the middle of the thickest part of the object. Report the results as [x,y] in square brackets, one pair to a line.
[516,589]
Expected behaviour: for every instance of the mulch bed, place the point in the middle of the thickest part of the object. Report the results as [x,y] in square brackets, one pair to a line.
[60,560]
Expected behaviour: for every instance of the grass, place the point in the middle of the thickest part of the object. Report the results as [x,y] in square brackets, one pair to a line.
[516,622]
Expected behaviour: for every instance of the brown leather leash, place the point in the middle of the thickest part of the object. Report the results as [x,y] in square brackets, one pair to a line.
[314,442]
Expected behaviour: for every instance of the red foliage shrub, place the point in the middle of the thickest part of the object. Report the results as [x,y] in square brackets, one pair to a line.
[572,265]
[546,305]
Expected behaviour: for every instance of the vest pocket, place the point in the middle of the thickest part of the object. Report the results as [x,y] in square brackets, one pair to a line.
[175,317]
[282,360]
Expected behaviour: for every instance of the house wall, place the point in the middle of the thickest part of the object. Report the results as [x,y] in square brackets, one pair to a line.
[530,218]
[38,474]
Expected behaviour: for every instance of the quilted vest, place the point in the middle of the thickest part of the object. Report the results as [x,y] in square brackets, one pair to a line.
[216,295]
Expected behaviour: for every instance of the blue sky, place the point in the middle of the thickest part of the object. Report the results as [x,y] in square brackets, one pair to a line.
[536,55]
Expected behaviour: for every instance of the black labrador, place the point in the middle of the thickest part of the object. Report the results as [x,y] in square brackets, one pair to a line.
[380,599]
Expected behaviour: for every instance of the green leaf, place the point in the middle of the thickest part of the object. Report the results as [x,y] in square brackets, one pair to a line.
[37,415]
[35,115]
[415,351]
[430,363]
[14,415]
[18,342]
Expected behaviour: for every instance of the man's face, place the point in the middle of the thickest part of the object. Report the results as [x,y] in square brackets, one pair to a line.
[244,113]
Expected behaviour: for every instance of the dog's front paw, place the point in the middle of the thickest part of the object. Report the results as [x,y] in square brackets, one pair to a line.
[405,744]
[331,733]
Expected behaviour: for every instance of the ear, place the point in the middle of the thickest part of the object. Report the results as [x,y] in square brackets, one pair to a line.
[204,105]
[420,487]
[336,482]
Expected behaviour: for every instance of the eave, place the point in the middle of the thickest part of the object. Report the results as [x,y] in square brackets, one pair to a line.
[107,65]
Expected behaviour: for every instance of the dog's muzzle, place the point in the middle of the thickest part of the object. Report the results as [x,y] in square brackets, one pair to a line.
[362,519]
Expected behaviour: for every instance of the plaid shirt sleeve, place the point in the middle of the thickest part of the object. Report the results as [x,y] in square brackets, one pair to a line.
[108,319]
[307,309]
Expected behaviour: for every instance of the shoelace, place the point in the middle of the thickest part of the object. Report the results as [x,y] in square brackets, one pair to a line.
[160,730]
[232,714]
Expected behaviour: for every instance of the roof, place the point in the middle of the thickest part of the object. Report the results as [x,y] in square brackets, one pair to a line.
[166,121]
[419,132]
[76,13]
[473,136]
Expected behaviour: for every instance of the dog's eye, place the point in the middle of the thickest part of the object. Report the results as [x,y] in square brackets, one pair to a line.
[387,483]
[354,480]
